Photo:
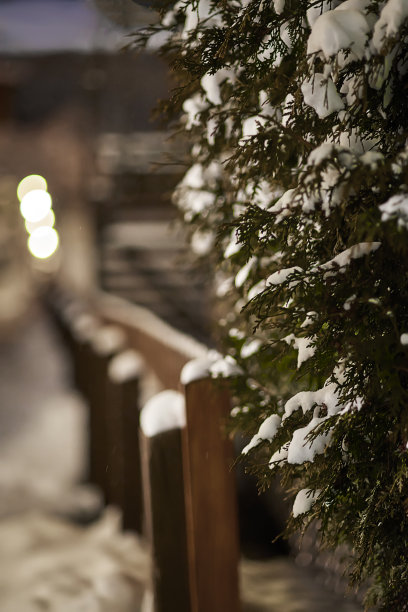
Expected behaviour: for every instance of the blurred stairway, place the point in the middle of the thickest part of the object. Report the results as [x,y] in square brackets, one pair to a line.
[146,263]
[142,253]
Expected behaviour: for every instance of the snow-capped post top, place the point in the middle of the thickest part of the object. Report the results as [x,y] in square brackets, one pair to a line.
[199,368]
[84,326]
[70,310]
[163,412]
[125,366]
[108,339]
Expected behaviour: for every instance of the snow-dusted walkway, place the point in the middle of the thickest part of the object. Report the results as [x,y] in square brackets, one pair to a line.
[46,561]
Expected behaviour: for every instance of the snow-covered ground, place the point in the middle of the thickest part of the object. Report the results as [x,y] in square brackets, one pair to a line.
[46,561]
[49,564]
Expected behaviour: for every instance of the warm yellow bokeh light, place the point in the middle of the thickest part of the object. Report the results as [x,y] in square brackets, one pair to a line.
[29,183]
[43,242]
[47,221]
[35,205]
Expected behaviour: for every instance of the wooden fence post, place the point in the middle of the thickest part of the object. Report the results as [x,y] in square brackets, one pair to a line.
[162,473]
[210,497]
[83,328]
[106,342]
[124,480]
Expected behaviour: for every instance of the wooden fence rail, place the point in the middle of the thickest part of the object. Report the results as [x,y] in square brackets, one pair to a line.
[187,507]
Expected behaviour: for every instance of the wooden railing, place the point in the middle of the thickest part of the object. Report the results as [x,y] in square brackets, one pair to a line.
[177,487]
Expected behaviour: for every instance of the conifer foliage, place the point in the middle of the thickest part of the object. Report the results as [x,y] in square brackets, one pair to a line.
[298,192]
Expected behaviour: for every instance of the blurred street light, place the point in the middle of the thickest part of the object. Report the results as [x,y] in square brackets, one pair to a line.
[35,205]
[47,221]
[29,183]
[43,242]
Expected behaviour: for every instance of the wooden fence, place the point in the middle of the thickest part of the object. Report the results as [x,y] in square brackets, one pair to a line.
[175,487]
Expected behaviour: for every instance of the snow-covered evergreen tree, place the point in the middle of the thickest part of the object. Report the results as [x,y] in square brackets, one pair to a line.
[298,186]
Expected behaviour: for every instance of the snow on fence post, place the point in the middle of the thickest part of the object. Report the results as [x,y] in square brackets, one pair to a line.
[124,480]
[161,421]
[105,343]
[210,493]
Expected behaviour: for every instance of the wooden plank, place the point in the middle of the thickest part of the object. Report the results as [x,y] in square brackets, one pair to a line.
[210,495]
[165,349]
[133,512]
[106,342]
[98,365]
[124,481]
[165,520]
[114,444]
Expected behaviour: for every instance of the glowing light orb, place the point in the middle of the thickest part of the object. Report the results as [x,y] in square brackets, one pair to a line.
[43,242]
[47,221]
[29,183]
[35,205]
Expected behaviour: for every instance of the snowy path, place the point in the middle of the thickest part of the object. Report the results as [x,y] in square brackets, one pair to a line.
[46,562]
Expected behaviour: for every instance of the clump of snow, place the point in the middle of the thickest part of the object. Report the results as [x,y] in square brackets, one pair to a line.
[279,277]
[372,159]
[194,177]
[335,31]
[311,317]
[194,202]
[306,400]
[279,6]
[257,289]
[233,246]
[302,448]
[264,194]
[234,332]
[193,107]
[279,457]
[391,19]
[211,84]
[163,412]
[225,367]
[108,339]
[304,500]
[285,35]
[320,93]
[349,301]
[282,207]
[194,193]
[125,366]
[321,153]
[343,259]
[202,241]
[84,326]
[200,14]
[396,207]
[250,127]
[244,272]
[404,339]
[197,369]
[223,286]
[353,88]
[250,348]
[267,431]
[314,12]
[303,346]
